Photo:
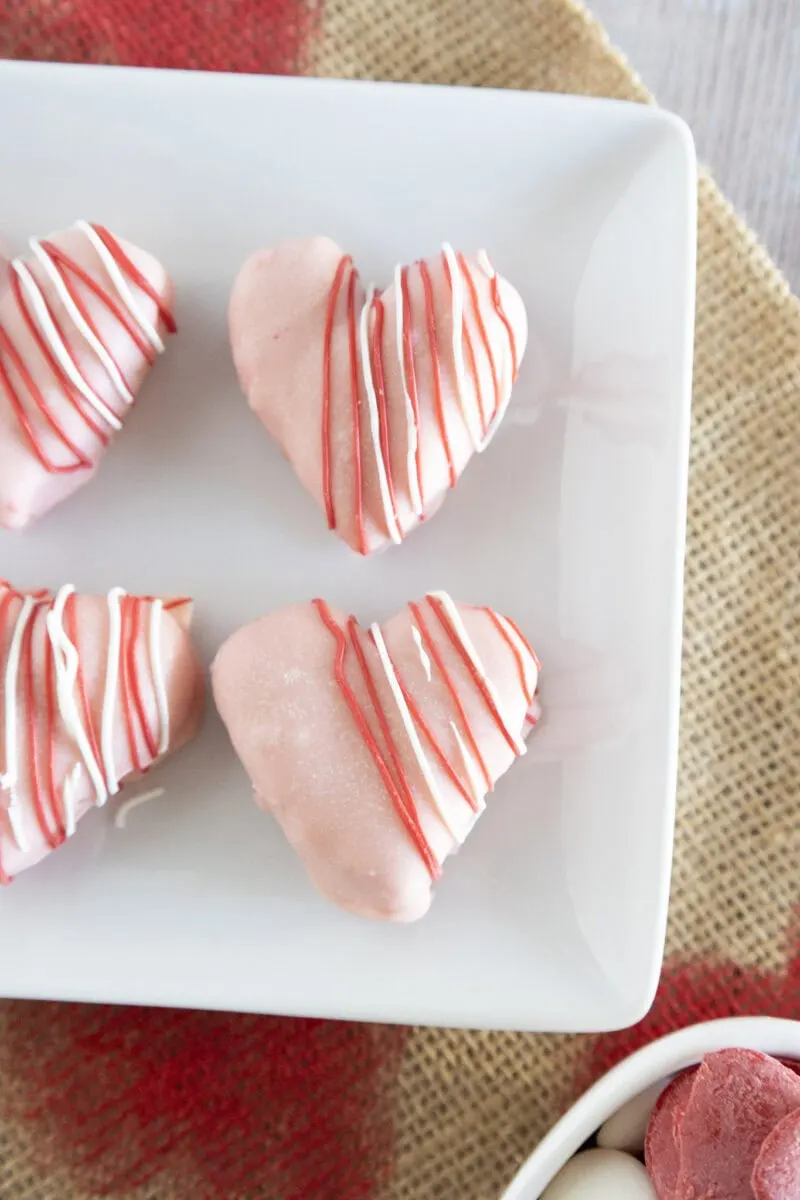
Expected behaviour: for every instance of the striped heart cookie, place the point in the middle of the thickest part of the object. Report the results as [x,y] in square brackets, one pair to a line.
[376,747]
[82,318]
[93,691]
[378,399]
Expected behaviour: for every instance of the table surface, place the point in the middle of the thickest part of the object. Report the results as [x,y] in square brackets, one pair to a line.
[731,68]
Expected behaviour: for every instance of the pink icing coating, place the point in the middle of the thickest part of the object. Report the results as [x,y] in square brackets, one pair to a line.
[295,704]
[44,742]
[295,332]
[46,462]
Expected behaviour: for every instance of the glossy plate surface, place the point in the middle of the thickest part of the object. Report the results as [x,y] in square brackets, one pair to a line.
[552,916]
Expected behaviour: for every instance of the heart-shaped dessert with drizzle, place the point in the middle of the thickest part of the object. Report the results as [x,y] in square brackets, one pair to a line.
[93,691]
[82,319]
[378,400]
[375,748]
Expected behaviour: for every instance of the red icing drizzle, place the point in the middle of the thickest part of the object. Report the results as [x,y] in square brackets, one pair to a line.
[375,350]
[476,379]
[51,717]
[486,343]
[498,624]
[408,818]
[525,643]
[169,605]
[66,267]
[433,650]
[430,318]
[30,724]
[129,268]
[401,777]
[355,407]
[5,604]
[498,308]
[473,368]
[71,629]
[480,684]
[411,373]
[427,733]
[9,350]
[125,678]
[355,403]
[42,789]
[376,357]
[130,695]
[138,607]
[71,393]
[327,489]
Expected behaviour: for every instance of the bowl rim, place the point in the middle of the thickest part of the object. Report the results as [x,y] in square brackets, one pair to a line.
[658,1060]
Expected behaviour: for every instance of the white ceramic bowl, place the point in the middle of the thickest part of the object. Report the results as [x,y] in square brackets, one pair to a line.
[646,1067]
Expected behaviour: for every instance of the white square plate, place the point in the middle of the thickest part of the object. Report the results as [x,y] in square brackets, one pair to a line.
[552,916]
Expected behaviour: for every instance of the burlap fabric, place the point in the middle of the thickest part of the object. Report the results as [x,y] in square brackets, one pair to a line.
[151,1106]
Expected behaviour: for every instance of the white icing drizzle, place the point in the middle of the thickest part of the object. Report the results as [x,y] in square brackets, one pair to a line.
[482,259]
[66,663]
[104,778]
[10,777]
[469,412]
[110,694]
[68,799]
[157,666]
[453,819]
[507,373]
[58,346]
[505,391]
[525,652]
[461,633]
[80,323]
[124,810]
[121,285]
[17,827]
[468,398]
[475,784]
[413,433]
[423,657]
[392,523]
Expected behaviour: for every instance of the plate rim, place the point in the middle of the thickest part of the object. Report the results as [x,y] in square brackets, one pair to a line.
[634,111]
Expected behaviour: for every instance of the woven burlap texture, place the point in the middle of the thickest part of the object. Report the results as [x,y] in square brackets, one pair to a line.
[471,1106]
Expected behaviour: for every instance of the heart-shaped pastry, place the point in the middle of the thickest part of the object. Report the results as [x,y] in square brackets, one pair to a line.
[81,322]
[378,400]
[375,748]
[93,691]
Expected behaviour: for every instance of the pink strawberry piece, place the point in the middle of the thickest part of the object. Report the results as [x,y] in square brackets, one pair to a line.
[375,747]
[93,692]
[737,1097]
[378,399]
[82,319]
[776,1175]
[661,1151]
